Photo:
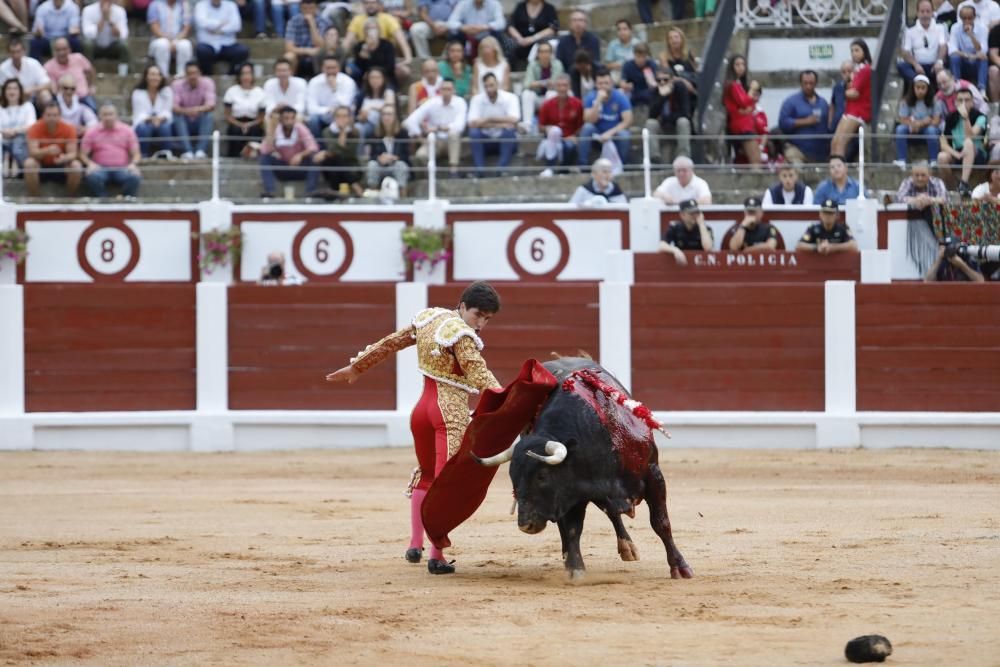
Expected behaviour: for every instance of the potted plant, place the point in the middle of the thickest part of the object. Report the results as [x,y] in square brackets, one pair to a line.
[13,245]
[425,248]
[219,247]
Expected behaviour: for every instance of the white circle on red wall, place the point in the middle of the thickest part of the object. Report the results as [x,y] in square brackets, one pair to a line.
[538,251]
[108,251]
[322,251]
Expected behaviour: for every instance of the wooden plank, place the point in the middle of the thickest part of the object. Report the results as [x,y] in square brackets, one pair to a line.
[119,359]
[986,360]
[726,337]
[112,297]
[972,337]
[695,400]
[734,358]
[735,295]
[356,398]
[911,401]
[110,379]
[108,338]
[354,295]
[102,401]
[929,293]
[788,379]
[149,317]
[941,314]
[777,315]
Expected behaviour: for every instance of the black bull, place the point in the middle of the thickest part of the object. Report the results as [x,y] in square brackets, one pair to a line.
[566,459]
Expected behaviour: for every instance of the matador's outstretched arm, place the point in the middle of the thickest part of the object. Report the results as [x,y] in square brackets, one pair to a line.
[374,354]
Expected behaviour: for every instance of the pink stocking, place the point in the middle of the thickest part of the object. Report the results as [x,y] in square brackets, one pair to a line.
[416,523]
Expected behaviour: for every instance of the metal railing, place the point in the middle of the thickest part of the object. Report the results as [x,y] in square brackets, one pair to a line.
[817,13]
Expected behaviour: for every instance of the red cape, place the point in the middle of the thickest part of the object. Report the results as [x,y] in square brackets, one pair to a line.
[501,415]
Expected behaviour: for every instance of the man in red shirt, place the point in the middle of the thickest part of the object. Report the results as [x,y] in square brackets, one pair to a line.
[52,153]
[560,118]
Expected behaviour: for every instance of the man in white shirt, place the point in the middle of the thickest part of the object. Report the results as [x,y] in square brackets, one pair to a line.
[925,45]
[170,23]
[788,190]
[684,185]
[218,26]
[285,90]
[493,118]
[25,69]
[444,117]
[328,90]
[105,31]
[967,48]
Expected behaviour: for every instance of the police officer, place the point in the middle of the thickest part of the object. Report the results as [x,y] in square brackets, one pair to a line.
[753,234]
[827,236]
[691,233]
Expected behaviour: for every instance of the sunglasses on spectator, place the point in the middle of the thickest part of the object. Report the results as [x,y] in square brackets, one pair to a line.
[69,87]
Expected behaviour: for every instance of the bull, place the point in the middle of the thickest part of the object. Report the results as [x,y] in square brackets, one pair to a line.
[583,447]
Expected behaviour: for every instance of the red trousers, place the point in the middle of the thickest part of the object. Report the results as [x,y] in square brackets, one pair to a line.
[430,437]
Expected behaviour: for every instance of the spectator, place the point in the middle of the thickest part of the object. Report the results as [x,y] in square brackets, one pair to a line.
[760,123]
[788,190]
[967,48]
[326,91]
[963,130]
[339,156]
[375,52]
[15,14]
[17,114]
[804,116]
[538,84]
[473,20]
[987,11]
[490,60]
[600,189]
[433,15]
[703,8]
[532,24]
[284,90]
[218,26]
[444,116]
[55,18]
[582,75]
[740,109]
[858,99]
[110,153]
[691,233]
[244,103]
[170,23]
[65,62]
[304,39]
[948,88]
[829,236]
[838,93]
[492,120]
[194,112]
[331,44]
[74,112]
[389,30]
[153,113]
[105,31]
[988,190]
[925,45]
[677,58]
[839,187]
[52,153]
[375,95]
[389,151]
[282,12]
[684,184]
[289,148]
[645,8]
[621,49]
[920,189]
[918,114]
[638,78]
[670,113]
[607,116]
[427,87]
[949,266]
[752,235]
[454,68]
[993,57]
[579,38]
[275,271]
[27,70]
[561,117]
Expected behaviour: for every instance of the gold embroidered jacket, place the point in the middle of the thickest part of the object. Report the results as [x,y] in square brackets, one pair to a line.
[448,350]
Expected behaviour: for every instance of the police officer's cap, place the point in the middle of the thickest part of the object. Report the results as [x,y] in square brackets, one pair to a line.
[828,206]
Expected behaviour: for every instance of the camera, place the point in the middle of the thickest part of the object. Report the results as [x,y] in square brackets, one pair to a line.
[275,271]
[980,253]
[953,246]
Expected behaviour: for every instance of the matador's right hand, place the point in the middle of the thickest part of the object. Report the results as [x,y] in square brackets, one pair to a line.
[347,373]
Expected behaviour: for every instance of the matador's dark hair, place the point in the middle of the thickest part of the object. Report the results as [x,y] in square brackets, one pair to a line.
[481,295]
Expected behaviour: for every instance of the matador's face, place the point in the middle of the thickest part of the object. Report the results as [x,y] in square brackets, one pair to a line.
[475,318]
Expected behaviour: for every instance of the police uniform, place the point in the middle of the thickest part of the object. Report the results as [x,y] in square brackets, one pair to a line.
[679,236]
[817,232]
[759,234]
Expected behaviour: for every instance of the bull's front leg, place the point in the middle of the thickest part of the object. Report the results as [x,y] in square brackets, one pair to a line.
[656,498]
[626,547]
[570,529]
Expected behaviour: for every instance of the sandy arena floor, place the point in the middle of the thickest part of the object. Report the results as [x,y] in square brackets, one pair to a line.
[289,558]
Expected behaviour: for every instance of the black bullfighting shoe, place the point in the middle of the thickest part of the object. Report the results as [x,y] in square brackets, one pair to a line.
[413,554]
[435,566]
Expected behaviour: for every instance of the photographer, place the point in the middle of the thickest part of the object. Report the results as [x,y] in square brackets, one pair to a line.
[274,272]
[691,233]
[951,266]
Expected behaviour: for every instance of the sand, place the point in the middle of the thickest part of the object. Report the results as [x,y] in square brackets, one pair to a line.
[296,558]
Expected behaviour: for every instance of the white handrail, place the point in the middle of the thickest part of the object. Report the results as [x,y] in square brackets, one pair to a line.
[215,165]
[431,166]
[861,162]
[645,163]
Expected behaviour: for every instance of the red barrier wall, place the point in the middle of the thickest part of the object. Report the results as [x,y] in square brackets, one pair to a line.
[728,347]
[729,267]
[283,341]
[109,347]
[929,347]
[534,321]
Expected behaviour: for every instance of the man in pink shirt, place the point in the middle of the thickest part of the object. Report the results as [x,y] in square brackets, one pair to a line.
[288,148]
[63,62]
[110,152]
[194,109]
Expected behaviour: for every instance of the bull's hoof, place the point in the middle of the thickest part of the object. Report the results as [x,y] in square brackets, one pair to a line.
[682,572]
[435,566]
[413,554]
[576,575]
[627,550]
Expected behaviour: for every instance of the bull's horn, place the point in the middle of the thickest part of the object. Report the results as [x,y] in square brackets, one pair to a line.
[493,461]
[556,453]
